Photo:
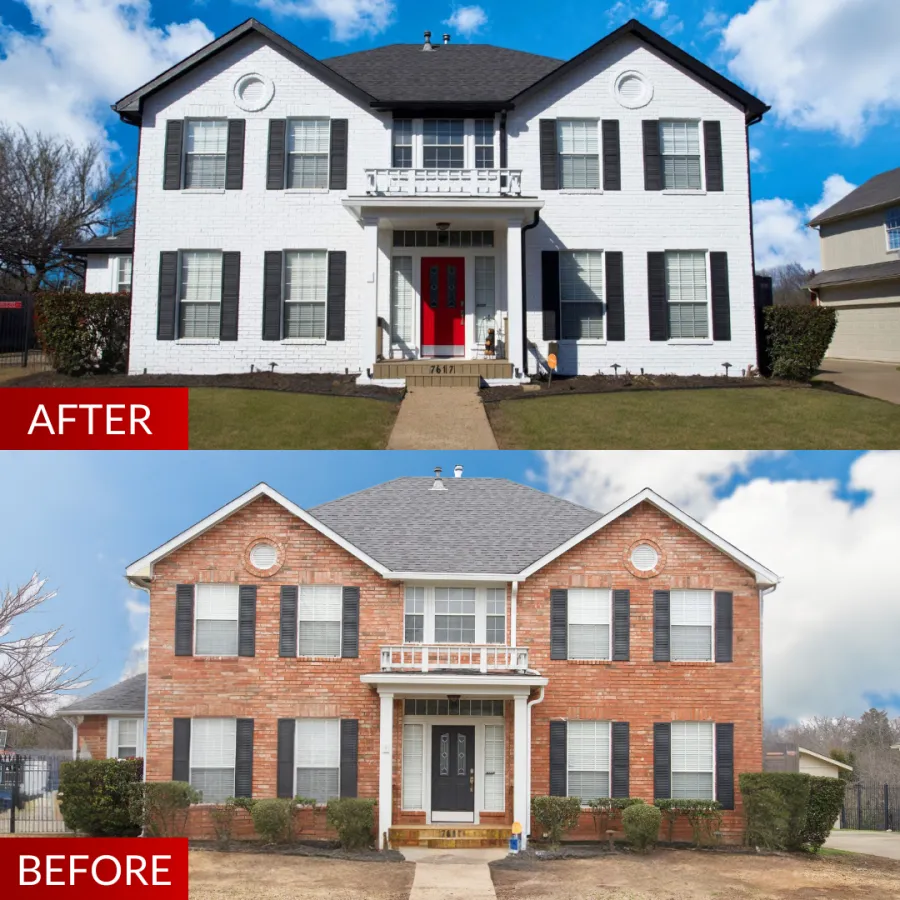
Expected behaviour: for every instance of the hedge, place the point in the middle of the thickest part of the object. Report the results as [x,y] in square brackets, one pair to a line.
[556,816]
[797,338]
[166,807]
[102,797]
[704,817]
[641,823]
[353,819]
[826,797]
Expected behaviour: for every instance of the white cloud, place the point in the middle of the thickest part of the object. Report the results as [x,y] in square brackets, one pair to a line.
[138,615]
[780,232]
[467,20]
[713,21]
[755,155]
[826,65]
[349,18]
[657,8]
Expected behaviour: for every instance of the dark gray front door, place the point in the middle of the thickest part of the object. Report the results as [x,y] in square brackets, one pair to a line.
[453,768]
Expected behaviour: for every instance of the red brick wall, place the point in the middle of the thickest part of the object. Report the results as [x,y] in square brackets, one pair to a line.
[92,737]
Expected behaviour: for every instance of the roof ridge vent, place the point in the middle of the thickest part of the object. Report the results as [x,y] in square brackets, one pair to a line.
[438,481]
[427,45]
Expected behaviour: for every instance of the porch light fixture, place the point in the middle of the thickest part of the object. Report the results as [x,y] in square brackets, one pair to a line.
[442,226]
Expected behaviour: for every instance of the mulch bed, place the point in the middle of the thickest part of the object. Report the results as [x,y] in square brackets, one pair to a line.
[328,849]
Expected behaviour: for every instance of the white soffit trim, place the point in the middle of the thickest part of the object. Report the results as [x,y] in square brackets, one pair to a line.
[827,759]
[428,683]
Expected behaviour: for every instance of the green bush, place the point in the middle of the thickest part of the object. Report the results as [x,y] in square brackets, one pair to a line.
[84,333]
[101,797]
[273,820]
[704,817]
[222,818]
[826,797]
[607,811]
[353,819]
[775,809]
[166,807]
[556,816]
[641,823]
[798,338]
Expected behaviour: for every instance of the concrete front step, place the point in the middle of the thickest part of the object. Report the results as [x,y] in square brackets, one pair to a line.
[443,372]
[448,838]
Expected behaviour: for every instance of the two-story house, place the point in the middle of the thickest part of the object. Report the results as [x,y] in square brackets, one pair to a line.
[451,648]
[374,212]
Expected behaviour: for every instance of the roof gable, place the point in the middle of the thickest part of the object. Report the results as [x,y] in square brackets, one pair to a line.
[881,190]
[127,696]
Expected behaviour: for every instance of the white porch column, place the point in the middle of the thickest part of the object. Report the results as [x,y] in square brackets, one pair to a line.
[386,767]
[514,294]
[368,317]
[520,764]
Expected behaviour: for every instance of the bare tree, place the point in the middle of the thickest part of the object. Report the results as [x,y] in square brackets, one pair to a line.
[789,284]
[52,194]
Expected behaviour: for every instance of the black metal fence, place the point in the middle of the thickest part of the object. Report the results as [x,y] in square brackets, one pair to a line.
[763,298]
[19,343]
[871,806]
[29,784]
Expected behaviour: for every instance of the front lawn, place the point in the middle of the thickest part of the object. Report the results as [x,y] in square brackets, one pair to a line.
[761,418]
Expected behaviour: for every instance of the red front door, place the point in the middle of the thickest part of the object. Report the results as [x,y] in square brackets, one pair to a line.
[443,306]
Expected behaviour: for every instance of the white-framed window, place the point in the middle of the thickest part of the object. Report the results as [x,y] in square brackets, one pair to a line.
[414,615]
[680,148]
[317,759]
[319,614]
[443,144]
[216,620]
[892,226]
[495,616]
[401,299]
[688,297]
[693,761]
[402,152]
[123,273]
[588,611]
[454,615]
[309,141]
[413,765]
[305,293]
[124,737]
[200,294]
[588,755]
[212,758]
[484,143]
[485,297]
[204,153]
[691,625]
[581,294]
[494,768]
[579,154]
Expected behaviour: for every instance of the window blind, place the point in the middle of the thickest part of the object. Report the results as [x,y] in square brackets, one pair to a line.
[318,759]
[691,621]
[319,615]
[205,145]
[485,297]
[127,742]
[588,623]
[305,293]
[413,762]
[588,755]
[212,758]
[579,156]
[123,273]
[216,632]
[686,288]
[581,294]
[201,293]
[692,760]
[680,145]
[401,299]
[308,146]
[494,768]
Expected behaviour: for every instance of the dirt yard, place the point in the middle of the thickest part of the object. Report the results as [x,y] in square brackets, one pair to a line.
[687,875]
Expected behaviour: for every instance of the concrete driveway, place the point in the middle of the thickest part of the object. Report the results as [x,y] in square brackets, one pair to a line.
[880,380]
[875,843]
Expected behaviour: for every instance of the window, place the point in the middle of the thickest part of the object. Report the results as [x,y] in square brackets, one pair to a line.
[485,297]
[318,759]
[692,761]
[443,707]
[686,291]
[484,143]
[305,293]
[308,144]
[691,625]
[454,615]
[216,631]
[320,620]
[200,296]
[403,144]
[414,630]
[581,294]
[212,758]
[680,147]
[494,752]
[892,225]
[123,273]
[495,626]
[413,765]
[579,157]
[204,163]
[401,300]
[128,739]
[587,749]
[443,144]
[588,612]
[443,238]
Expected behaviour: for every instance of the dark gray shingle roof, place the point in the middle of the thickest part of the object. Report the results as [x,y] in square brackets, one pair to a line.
[881,190]
[105,243]
[125,697]
[853,274]
[478,525]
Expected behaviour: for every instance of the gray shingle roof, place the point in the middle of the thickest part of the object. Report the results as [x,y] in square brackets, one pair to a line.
[854,274]
[478,525]
[105,243]
[882,190]
[125,697]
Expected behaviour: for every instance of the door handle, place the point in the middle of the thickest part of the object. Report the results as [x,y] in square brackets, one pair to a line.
[471,782]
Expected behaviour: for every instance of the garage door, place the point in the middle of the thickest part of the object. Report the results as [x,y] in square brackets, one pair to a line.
[867,332]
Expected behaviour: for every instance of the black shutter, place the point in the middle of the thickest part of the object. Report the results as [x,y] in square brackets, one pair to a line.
[615,296]
[662,761]
[275,160]
[173,155]
[621,625]
[558,776]
[712,141]
[559,643]
[350,626]
[272,265]
[549,156]
[234,156]
[247,620]
[657,297]
[168,295]
[349,756]
[337,294]
[619,785]
[184,620]
[653,175]
[243,758]
[724,626]
[721,302]
[725,765]
[661,626]
[181,750]
[287,638]
[338,177]
[504,142]
[231,292]
[612,159]
[287,728]
[550,294]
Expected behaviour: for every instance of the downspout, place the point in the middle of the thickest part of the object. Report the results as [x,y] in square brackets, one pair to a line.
[512,613]
[534,224]
[145,587]
[531,703]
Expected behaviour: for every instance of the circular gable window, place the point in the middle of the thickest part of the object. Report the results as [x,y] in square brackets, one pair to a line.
[644,557]
[263,556]
[632,90]
[253,92]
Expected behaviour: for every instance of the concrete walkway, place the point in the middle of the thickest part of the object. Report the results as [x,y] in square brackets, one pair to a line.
[452,874]
[442,418]
[875,843]
[880,380]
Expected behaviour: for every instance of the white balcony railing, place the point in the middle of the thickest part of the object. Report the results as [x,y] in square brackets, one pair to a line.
[431,657]
[474,182]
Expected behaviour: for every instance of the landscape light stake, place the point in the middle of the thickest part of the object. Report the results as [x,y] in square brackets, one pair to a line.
[615,368]
[727,367]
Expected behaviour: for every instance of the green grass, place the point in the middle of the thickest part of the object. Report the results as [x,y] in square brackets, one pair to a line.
[231,419]
[831,851]
[759,418]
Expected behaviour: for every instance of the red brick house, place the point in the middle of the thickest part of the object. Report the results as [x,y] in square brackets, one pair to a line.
[451,648]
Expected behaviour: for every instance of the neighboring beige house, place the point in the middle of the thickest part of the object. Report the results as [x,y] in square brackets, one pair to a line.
[860,277]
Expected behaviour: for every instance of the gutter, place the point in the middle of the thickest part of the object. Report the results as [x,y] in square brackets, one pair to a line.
[526,828]
[525,228]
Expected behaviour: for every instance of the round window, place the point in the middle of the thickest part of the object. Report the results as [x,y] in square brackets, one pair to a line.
[632,90]
[253,91]
[263,557]
[644,558]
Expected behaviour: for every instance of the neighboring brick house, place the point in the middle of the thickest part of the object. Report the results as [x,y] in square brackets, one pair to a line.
[451,648]
[373,212]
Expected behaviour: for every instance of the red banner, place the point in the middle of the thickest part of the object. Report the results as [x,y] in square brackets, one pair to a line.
[94,419]
[40,868]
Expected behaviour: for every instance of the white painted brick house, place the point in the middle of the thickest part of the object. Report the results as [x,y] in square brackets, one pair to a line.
[426,205]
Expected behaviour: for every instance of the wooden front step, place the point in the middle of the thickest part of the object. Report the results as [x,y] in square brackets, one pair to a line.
[448,837]
[443,372]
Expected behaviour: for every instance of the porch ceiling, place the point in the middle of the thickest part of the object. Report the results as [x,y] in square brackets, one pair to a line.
[438,684]
[460,212]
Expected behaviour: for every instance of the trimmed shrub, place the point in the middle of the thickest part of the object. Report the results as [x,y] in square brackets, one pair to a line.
[704,817]
[641,823]
[556,816]
[101,797]
[222,818]
[776,819]
[353,820]
[166,807]
[607,811]
[798,338]
[826,797]
[273,820]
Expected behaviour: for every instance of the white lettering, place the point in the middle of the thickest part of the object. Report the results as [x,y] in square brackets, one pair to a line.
[73,869]
[110,418]
[129,871]
[98,879]
[34,869]
[135,420]
[157,870]
[51,869]
[90,407]
[41,412]
[62,416]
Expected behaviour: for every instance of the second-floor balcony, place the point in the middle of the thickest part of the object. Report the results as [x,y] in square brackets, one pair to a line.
[482,658]
[465,182]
